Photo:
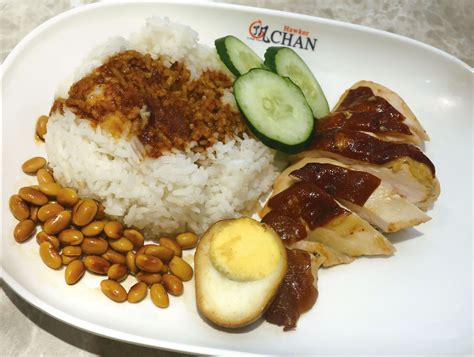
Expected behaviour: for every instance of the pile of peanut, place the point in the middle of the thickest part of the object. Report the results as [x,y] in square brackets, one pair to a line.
[75,233]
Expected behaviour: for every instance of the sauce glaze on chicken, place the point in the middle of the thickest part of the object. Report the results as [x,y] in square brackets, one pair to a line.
[364,147]
[350,185]
[361,110]
[296,295]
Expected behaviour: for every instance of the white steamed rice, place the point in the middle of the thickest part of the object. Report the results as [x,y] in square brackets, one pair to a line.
[172,193]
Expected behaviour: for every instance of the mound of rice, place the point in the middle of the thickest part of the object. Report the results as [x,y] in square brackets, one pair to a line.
[175,192]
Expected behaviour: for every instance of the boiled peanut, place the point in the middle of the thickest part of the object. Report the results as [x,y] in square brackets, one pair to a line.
[41,126]
[171,244]
[135,237]
[34,164]
[42,236]
[66,259]
[96,264]
[33,196]
[122,245]
[130,260]
[165,269]
[50,256]
[114,257]
[149,263]
[85,213]
[165,254]
[67,197]
[181,269]
[19,208]
[50,189]
[113,229]
[34,213]
[44,176]
[148,278]
[70,237]
[96,246]
[49,211]
[187,240]
[76,206]
[142,249]
[137,292]
[172,284]
[100,211]
[24,230]
[57,223]
[74,272]
[158,295]
[93,229]
[72,251]
[113,290]
[117,272]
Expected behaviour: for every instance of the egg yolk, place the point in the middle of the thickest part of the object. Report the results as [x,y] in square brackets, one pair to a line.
[245,250]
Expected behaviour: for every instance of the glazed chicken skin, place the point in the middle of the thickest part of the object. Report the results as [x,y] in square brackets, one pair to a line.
[372,129]
[403,166]
[298,293]
[305,211]
[375,201]
[373,108]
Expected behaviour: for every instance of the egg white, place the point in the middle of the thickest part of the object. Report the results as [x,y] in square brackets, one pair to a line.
[227,302]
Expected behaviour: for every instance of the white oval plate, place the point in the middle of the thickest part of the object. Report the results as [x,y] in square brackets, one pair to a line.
[418,301]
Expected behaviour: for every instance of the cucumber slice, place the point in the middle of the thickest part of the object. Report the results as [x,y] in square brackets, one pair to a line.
[236,55]
[287,63]
[275,110]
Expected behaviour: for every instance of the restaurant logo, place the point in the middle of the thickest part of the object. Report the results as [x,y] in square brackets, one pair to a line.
[287,35]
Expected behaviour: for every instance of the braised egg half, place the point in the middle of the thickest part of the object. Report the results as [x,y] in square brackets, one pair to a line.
[239,266]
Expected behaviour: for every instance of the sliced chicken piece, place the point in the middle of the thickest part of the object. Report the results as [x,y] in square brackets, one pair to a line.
[330,256]
[304,211]
[379,125]
[371,107]
[389,211]
[401,165]
[369,197]
[352,236]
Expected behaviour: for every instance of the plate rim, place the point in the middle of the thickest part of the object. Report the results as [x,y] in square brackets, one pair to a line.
[90,7]
[135,339]
[105,331]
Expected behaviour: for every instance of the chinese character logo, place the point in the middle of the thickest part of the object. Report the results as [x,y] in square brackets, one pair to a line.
[257,30]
